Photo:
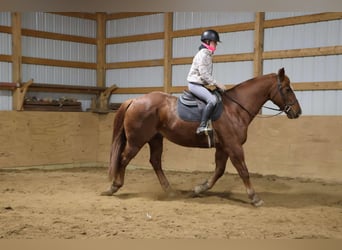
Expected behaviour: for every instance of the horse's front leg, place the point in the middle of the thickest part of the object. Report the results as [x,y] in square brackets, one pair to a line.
[221,158]
[238,160]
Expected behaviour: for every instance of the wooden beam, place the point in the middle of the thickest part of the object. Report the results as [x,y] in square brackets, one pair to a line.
[6,58]
[220,29]
[137,90]
[83,15]
[135,38]
[56,36]
[58,63]
[101,50]
[216,59]
[62,88]
[303,19]
[5,29]
[123,15]
[258,43]
[168,27]
[321,51]
[333,85]
[135,64]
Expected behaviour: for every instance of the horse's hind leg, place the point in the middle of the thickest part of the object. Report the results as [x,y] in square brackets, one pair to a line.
[156,150]
[127,155]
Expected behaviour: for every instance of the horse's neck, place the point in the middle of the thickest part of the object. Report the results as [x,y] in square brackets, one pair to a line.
[253,94]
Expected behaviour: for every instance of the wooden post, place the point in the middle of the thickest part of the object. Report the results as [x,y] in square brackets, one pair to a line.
[258,43]
[16,56]
[101,49]
[168,28]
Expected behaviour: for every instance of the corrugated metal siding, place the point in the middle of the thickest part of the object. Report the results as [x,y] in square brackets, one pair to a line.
[308,69]
[232,43]
[58,24]
[188,20]
[135,77]
[310,35]
[5,95]
[277,15]
[59,75]
[135,25]
[5,18]
[5,44]
[59,50]
[135,51]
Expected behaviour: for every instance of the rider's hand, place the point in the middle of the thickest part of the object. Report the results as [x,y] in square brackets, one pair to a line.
[221,86]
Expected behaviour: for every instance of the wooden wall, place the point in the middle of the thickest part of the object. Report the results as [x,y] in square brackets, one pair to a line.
[309,147]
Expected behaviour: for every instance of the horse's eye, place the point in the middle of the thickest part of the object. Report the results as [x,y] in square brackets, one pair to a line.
[288,89]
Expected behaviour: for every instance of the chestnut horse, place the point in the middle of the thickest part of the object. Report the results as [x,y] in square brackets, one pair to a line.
[150,118]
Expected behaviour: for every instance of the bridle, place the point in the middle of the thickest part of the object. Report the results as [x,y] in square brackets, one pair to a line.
[287,106]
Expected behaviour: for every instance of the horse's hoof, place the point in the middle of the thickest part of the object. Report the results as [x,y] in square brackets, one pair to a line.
[201,188]
[107,193]
[110,192]
[258,203]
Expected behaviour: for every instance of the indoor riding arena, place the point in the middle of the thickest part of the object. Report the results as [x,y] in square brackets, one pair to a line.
[63,77]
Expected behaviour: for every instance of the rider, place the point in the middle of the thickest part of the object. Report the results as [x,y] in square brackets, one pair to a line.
[200,74]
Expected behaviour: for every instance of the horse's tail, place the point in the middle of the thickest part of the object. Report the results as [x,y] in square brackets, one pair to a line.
[118,139]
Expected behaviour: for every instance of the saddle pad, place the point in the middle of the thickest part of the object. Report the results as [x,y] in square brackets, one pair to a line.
[194,113]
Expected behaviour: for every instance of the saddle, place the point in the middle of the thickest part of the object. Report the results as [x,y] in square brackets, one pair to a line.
[190,107]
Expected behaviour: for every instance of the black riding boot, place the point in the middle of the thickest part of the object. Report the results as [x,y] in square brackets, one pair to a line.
[205,117]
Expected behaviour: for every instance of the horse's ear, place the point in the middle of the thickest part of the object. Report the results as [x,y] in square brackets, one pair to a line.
[281,74]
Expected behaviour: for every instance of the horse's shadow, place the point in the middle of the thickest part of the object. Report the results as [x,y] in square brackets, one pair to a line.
[290,200]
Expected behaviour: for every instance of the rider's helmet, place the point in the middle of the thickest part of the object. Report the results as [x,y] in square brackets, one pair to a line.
[210,35]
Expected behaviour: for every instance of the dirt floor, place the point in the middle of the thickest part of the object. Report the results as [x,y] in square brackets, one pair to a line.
[65,204]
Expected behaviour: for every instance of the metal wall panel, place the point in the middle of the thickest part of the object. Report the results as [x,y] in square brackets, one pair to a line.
[5,44]
[135,25]
[308,69]
[277,15]
[310,35]
[188,20]
[232,43]
[59,75]
[5,18]
[5,95]
[59,24]
[135,77]
[135,51]
[59,50]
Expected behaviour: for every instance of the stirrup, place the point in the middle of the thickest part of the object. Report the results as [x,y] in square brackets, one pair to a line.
[205,130]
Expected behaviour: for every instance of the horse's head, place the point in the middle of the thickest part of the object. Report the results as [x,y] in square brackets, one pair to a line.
[284,97]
